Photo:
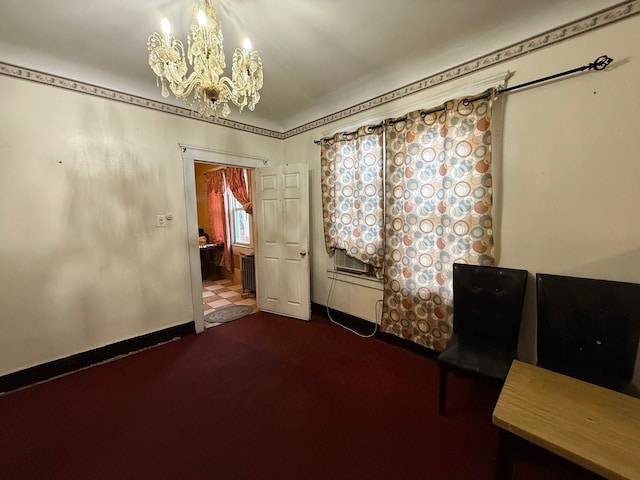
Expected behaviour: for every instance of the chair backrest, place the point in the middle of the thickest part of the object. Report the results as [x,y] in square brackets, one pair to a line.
[587,326]
[487,302]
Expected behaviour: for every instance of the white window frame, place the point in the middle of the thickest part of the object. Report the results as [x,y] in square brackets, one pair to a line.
[232,202]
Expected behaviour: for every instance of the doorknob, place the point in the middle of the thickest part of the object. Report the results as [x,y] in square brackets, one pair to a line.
[303,253]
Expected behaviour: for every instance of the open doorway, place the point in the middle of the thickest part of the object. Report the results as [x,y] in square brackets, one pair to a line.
[211,159]
[226,241]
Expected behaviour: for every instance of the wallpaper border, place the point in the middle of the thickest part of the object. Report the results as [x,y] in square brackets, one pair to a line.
[564,32]
[551,37]
[102,92]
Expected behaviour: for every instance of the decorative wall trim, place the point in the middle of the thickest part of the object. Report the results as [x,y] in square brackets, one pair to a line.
[46,371]
[101,92]
[578,27]
[586,24]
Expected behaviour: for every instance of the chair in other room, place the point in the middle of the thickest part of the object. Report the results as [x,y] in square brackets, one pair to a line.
[589,329]
[487,309]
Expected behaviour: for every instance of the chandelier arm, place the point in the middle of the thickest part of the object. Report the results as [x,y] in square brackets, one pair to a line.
[247,76]
[186,85]
[239,98]
[229,86]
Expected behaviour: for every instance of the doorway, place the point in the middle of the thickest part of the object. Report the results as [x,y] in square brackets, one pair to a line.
[211,158]
[225,291]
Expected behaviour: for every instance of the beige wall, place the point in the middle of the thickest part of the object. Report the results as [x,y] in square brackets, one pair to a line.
[201,197]
[81,180]
[566,185]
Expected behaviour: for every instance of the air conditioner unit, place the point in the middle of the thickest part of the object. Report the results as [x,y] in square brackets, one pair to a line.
[344,263]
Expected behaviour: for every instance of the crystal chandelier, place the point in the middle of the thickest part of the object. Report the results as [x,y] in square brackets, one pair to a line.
[205,90]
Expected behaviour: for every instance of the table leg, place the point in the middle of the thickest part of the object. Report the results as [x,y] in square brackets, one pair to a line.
[504,462]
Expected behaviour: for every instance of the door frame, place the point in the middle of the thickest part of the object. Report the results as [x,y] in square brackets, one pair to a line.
[190,154]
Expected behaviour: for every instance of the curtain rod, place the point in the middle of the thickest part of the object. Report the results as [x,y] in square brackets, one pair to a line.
[219,167]
[599,63]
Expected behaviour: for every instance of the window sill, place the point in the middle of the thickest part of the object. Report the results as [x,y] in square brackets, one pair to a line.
[355,279]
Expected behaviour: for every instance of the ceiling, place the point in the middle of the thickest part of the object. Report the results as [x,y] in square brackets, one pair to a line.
[319,56]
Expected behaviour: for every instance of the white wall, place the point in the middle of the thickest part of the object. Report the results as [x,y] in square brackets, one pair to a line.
[81,180]
[567,197]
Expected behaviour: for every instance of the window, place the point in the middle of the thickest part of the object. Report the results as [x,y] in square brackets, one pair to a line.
[240,222]
[352,195]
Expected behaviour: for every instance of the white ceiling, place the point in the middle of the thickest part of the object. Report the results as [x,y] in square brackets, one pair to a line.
[319,56]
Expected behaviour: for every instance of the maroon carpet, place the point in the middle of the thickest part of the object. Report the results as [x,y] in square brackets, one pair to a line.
[264,397]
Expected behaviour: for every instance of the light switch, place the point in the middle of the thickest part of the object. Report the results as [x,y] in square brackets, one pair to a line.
[161,220]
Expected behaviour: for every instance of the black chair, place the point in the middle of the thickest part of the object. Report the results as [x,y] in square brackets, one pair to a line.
[487,308]
[589,329]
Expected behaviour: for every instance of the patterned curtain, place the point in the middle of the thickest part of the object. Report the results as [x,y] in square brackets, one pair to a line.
[352,194]
[217,214]
[437,212]
[235,178]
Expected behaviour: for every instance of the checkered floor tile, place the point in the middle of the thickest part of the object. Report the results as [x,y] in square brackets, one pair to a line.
[218,294]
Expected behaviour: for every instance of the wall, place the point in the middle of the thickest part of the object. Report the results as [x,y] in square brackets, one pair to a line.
[201,196]
[81,180]
[566,186]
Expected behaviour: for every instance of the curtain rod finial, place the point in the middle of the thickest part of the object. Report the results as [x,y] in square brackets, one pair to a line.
[601,62]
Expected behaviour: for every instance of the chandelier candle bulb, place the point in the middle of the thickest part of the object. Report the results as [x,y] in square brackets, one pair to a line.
[166,26]
[202,19]
[205,90]
[166,29]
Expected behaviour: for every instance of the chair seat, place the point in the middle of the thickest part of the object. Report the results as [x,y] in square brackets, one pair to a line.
[478,357]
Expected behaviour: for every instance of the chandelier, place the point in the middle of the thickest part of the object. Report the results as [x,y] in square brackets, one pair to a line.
[205,90]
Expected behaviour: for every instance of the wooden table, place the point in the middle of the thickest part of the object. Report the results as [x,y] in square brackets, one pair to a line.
[210,256]
[596,428]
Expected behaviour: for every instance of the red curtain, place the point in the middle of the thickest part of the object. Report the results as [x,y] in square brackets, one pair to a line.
[236,182]
[215,196]
[217,215]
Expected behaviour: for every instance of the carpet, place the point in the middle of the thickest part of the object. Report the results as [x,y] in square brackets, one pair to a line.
[268,398]
[228,314]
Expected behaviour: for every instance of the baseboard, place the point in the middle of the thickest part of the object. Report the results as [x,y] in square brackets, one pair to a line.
[366,327]
[46,371]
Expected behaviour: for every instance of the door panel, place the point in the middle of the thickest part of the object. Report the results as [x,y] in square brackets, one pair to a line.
[271,287]
[283,240]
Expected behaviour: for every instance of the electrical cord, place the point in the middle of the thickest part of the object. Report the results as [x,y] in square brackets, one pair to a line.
[375,330]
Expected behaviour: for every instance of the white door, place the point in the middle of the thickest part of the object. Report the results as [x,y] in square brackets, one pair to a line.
[282,220]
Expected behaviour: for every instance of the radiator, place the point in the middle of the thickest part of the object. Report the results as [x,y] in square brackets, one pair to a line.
[249,273]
